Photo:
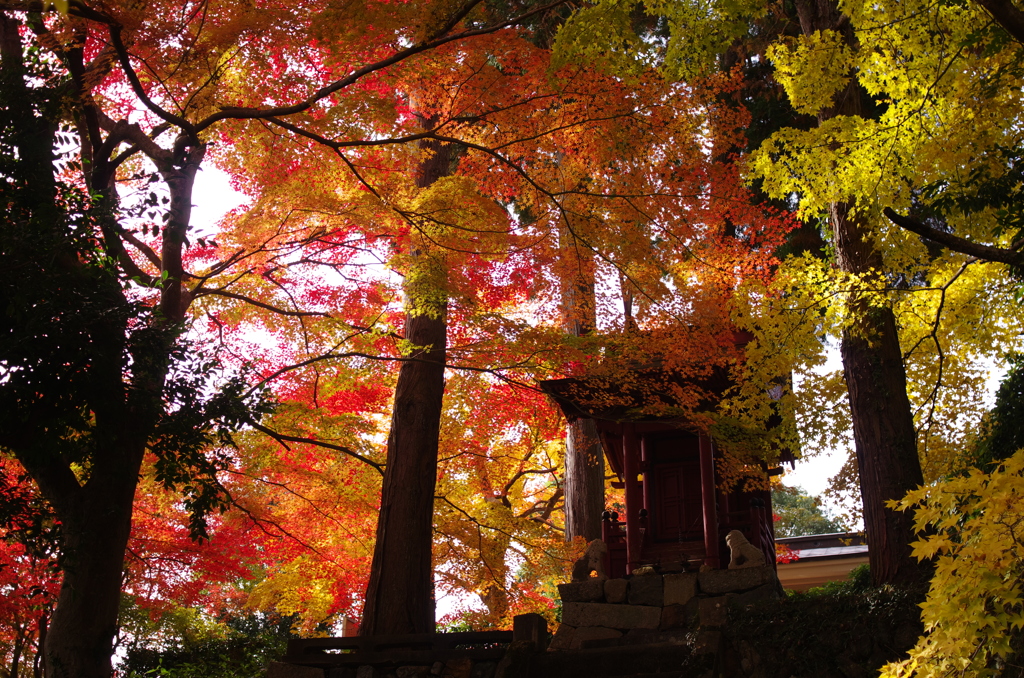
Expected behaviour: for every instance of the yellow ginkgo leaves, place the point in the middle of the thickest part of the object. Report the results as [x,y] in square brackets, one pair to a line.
[973,528]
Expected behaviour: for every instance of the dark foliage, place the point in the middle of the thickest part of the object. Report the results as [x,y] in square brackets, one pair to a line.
[842,629]
[252,641]
[1003,430]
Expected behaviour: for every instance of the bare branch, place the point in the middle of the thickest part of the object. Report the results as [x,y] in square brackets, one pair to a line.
[260,304]
[283,438]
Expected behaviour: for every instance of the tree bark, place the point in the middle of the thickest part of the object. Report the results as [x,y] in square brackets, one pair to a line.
[1007,16]
[584,455]
[584,480]
[84,624]
[399,596]
[883,424]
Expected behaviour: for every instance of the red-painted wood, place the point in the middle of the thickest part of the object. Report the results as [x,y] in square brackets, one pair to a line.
[707,481]
[634,499]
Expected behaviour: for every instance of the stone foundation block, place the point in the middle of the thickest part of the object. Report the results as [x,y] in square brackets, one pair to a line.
[647,590]
[611,616]
[590,591]
[714,611]
[615,590]
[717,582]
[588,633]
[461,667]
[679,588]
[679,616]
[763,593]
[531,628]
[562,639]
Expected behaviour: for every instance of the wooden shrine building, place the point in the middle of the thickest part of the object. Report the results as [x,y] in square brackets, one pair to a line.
[677,514]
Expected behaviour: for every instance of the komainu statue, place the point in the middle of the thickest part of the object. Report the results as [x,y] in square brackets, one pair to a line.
[744,554]
[592,561]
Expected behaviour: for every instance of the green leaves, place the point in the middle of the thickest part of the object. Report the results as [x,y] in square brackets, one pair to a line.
[682,39]
[194,437]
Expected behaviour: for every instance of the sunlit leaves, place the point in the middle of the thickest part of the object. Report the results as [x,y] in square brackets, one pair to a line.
[682,38]
[812,68]
[971,527]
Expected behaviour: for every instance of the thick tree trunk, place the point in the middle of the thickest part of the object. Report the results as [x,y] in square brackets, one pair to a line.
[400,593]
[883,424]
[584,456]
[886,443]
[96,516]
[399,598]
[584,480]
[80,636]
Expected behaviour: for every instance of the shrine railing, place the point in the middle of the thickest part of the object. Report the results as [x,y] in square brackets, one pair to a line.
[410,648]
[417,648]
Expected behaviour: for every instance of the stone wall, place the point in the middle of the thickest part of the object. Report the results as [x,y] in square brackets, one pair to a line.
[595,611]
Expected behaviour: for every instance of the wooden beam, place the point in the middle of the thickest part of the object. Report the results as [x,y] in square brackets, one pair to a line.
[707,483]
[631,467]
[645,467]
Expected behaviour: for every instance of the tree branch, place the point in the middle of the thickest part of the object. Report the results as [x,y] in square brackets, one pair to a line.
[260,304]
[140,92]
[282,438]
[1001,255]
[1007,16]
[358,74]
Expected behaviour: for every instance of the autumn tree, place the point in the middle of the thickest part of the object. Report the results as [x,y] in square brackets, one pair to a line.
[89,380]
[936,317]
[909,320]
[584,455]
[89,393]
[327,149]
[970,527]
[400,591]
[554,147]
[29,539]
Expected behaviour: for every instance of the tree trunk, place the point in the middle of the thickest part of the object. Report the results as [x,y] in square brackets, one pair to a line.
[399,596]
[584,456]
[584,480]
[16,651]
[95,514]
[883,424]
[886,443]
[81,633]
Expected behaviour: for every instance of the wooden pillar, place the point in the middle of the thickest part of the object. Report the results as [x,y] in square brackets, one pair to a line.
[707,487]
[645,467]
[630,469]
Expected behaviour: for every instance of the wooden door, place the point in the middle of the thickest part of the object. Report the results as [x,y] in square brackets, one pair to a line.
[676,509]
